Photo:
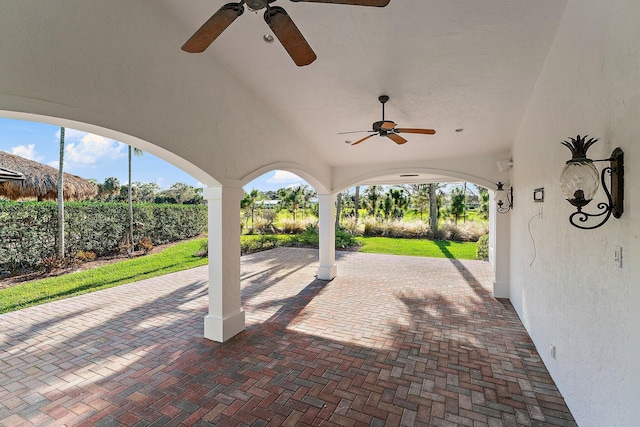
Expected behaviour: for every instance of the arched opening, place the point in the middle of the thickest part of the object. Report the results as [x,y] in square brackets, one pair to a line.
[106,137]
[98,157]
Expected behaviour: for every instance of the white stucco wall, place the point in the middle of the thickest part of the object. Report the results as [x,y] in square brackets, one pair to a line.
[572,295]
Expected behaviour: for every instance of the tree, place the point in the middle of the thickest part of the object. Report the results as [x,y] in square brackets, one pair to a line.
[179,193]
[138,152]
[292,199]
[250,202]
[433,208]
[419,196]
[356,203]
[458,206]
[61,197]
[145,192]
[483,200]
[372,195]
[394,204]
[109,189]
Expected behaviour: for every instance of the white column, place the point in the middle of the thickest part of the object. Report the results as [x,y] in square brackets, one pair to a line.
[327,269]
[499,248]
[226,317]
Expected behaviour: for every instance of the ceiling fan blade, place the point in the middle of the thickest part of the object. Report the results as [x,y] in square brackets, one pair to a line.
[387,125]
[378,3]
[396,138]
[291,38]
[211,29]
[414,130]
[355,131]
[363,139]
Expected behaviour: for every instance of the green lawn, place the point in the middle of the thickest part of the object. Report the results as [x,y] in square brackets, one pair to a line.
[418,247]
[184,256]
[175,258]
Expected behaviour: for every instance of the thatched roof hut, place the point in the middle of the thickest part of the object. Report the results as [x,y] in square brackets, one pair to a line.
[8,175]
[41,181]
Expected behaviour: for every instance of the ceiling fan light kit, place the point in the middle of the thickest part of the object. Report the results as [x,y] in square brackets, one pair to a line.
[278,20]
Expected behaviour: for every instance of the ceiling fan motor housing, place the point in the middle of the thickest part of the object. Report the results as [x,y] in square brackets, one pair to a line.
[256,4]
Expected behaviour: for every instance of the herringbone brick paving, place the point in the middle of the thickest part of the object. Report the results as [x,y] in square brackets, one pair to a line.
[391,341]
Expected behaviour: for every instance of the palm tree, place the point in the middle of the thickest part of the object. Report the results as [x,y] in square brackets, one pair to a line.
[458,206]
[372,195]
[138,152]
[250,201]
[61,197]
[293,198]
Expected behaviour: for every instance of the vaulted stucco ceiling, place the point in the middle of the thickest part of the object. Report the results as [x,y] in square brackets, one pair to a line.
[446,65]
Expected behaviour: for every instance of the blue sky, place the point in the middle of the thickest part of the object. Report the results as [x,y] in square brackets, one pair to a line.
[93,156]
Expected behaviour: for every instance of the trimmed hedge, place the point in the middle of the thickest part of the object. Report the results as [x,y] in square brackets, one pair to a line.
[28,230]
[482,248]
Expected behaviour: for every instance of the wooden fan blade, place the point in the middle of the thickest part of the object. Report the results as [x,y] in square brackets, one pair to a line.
[396,138]
[363,139]
[290,37]
[414,130]
[378,3]
[387,125]
[211,29]
[355,131]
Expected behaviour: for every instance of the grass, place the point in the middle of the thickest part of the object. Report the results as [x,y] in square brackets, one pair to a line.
[418,247]
[175,258]
[183,256]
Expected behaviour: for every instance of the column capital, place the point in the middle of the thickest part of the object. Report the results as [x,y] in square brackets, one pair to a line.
[215,192]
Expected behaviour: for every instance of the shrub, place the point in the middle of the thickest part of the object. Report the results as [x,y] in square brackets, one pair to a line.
[482,248]
[204,249]
[28,230]
[351,226]
[290,226]
[414,229]
[85,256]
[373,228]
[466,232]
[53,262]
[146,245]
[345,240]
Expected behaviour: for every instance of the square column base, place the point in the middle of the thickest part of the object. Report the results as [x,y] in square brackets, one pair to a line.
[500,289]
[328,272]
[220,330]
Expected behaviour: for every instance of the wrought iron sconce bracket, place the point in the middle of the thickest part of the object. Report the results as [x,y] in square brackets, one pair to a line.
[615,194]
[505,202]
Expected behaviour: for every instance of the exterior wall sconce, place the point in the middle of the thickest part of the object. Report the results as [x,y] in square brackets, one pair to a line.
[579,182]
[504,198]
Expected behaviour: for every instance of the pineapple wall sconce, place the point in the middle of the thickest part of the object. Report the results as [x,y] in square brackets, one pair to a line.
[579,182]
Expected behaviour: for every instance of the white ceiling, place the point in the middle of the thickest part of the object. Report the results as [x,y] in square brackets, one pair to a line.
[243,107]
[445,64]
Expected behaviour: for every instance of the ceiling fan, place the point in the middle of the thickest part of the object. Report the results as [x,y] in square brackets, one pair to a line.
[278,20]
[388,128]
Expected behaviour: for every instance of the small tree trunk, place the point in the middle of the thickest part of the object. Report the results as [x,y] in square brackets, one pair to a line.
[433,208]
[130,200]
[61,197]
[338,210]
[357,203]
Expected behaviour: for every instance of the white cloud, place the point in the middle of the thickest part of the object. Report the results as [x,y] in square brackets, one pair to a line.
[87,150]
[284,177]
[28,152]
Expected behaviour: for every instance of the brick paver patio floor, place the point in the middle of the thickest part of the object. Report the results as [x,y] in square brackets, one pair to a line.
[391,341]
